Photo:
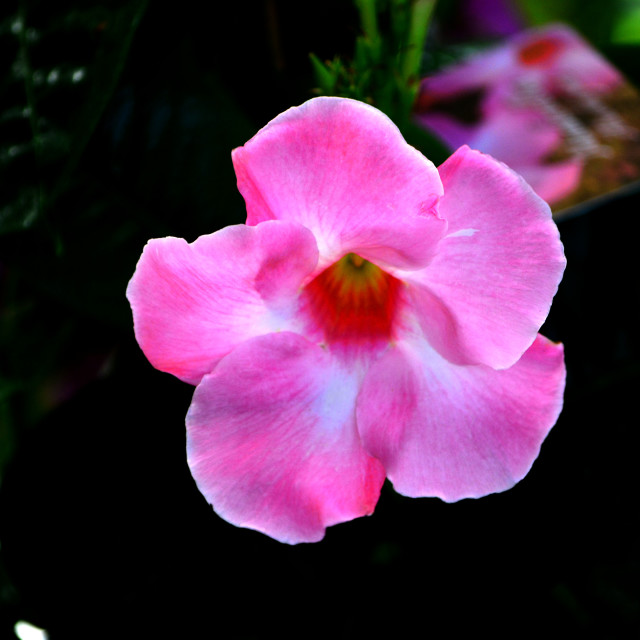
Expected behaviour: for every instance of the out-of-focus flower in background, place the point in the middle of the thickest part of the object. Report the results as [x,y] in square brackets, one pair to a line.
[375,316]
[508,101]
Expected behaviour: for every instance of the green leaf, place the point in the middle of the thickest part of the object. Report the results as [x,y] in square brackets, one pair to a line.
[325,77]
[626,29]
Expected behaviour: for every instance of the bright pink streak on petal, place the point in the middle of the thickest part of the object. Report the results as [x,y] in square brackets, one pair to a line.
[458,432]
[193,303]
[489,288]
[342,169]
[272,441]
[353,302]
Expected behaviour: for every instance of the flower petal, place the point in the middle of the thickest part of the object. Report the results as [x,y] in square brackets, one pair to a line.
[450,130]
[272,441]
[488,290]
[501,136]
[554,181]
[193,303]
[458,432]
[471,75]
[342,169]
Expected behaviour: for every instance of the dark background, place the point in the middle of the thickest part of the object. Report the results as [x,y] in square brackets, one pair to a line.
[103,533]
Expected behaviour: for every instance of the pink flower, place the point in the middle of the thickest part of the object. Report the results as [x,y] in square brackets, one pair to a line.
[515,86]
[375,317]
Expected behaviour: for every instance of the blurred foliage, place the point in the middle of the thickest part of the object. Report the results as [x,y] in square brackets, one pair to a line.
[91,165]
[385,68]
[588,16]
[626,29]
[607,26]
[61,67]
[61,63]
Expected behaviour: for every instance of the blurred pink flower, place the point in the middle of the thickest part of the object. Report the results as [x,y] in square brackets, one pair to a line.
[514,118]
[375,316]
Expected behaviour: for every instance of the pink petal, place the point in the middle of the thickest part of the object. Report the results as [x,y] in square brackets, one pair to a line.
[554,181]
[458,432]
[523,139]
[272,441]
[193,303]
[489,288]
[451,131]
[475,73]
[516,137]
[342,169]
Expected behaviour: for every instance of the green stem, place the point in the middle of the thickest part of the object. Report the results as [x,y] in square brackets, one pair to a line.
[368,18]
[369,22]
[324,77]
[412,54]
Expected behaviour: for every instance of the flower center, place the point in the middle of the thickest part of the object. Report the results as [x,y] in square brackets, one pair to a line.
[539,51]
[353,301]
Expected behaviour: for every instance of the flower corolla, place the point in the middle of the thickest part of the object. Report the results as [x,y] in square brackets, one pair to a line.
[375,317]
